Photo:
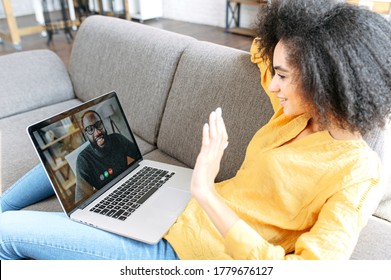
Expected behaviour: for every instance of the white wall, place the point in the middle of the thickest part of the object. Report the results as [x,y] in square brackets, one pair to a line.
[26,7]
[20,7]
[209,12]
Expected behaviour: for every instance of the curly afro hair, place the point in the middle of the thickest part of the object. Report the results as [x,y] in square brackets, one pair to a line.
[342,54]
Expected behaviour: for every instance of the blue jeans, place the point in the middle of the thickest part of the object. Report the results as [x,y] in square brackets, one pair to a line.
[48,235]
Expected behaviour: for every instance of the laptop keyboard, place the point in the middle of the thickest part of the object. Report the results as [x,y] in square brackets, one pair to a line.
[122,202]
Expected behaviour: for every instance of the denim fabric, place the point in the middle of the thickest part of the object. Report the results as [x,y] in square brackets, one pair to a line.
[31,188]
[48,235]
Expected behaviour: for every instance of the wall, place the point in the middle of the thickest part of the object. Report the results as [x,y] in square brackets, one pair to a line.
[20,7]
[209,12]
[26,7]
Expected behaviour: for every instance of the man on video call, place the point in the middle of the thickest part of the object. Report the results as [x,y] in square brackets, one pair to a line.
[105,157]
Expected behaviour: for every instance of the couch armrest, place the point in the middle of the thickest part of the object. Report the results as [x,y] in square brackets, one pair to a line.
[32,79]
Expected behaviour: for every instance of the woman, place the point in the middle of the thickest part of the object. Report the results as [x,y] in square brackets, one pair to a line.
[308,182]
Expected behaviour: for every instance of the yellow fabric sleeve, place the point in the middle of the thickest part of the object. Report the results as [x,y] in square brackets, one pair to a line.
[333,236]
[242,242]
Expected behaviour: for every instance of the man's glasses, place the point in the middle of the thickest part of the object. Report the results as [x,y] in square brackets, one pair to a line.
[91,128]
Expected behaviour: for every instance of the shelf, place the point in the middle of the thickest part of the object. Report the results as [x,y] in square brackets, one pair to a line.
[248,2]
[232,18]
[59,166]
[69,183]
[60,139]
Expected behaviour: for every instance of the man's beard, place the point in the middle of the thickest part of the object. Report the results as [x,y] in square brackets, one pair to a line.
[97,147]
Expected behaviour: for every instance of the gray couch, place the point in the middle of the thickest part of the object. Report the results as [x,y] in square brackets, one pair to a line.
[168,84]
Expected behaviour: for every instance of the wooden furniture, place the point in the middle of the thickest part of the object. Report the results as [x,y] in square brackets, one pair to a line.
[55,150]
[232,17]
[125,4]
[382,7]
[233,7]
[15,33]
[63,24]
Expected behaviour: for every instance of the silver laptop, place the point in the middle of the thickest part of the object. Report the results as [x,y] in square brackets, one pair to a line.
[100,177]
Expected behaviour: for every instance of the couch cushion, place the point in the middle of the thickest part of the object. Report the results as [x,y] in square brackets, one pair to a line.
[384,209]
[16,151]
[374,242]
[32,79]
[158,155]
[209,76]
[144,146]
[380,141]
[98,66]
[50,204]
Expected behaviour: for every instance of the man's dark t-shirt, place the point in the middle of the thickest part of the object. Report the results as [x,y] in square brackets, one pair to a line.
[98,167]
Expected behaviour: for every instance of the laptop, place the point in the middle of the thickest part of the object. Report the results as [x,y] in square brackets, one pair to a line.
[95,166]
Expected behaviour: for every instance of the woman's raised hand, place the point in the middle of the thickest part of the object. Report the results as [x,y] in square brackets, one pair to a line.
[214,142]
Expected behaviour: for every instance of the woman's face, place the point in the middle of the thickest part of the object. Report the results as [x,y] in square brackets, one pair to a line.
[285,84]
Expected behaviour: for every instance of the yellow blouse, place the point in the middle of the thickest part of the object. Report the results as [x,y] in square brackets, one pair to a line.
[308,199]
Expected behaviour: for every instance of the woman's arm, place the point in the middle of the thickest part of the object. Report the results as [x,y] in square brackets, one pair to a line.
[333,236]
[214,142]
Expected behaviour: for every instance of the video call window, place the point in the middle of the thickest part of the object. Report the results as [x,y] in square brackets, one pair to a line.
[85,151]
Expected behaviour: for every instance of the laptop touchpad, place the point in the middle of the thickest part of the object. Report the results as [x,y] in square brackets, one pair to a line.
[171,199]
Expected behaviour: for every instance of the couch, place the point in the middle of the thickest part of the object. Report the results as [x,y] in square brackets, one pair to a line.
[168,84]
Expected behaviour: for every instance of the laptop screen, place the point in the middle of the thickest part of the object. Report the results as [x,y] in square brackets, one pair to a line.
[85,149]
